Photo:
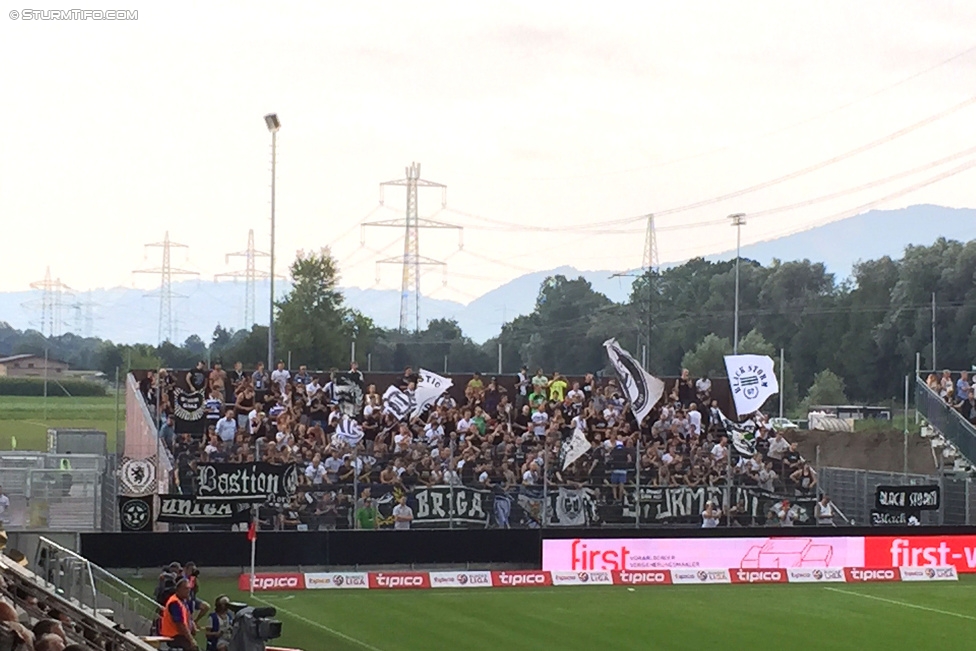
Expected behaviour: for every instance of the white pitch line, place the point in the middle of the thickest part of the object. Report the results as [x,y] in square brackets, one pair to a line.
[903,603]
[308,621]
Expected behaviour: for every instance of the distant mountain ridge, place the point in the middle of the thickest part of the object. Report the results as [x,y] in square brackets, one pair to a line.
[126,315]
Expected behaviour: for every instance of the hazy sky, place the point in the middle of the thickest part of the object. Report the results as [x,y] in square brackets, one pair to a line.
[553,115]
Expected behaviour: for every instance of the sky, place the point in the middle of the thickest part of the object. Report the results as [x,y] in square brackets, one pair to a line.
[556,127]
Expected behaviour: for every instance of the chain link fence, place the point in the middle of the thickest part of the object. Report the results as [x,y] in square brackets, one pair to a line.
[53,491]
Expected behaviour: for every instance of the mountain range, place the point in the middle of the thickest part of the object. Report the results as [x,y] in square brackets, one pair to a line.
[127,315]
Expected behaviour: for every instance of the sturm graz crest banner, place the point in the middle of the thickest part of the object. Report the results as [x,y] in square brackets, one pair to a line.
[186,509]
[247,482]
[136,513]
[643,389]
[189,411]
[137,476]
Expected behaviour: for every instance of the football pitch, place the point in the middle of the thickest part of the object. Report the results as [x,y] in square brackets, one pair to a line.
[843,616]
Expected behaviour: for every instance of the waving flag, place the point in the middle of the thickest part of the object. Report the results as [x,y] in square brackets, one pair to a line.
[752,380]
[643,389]
[575,447]
[429,389]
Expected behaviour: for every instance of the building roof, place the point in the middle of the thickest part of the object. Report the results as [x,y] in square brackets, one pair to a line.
[15,358]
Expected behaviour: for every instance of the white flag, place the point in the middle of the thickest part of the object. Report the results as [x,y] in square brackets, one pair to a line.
[752,380]
[643,389]
[396,402]
[429,389]
[575,447]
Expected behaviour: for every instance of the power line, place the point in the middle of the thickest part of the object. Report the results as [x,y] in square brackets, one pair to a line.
[764,134]
[51,304]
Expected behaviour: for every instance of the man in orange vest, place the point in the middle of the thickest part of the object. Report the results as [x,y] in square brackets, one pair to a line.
[175,621]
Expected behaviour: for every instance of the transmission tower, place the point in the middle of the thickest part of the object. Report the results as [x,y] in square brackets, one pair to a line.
[250,274]
[53,293]
[411,260]
[84,315]
[651,259]
[166,295]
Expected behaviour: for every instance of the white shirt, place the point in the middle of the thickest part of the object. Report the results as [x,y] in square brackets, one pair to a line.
[695,418]
[332,466]
[574,394]
[226,429]
[402,511]
[463,425]
[703,385]
[433,434]
[252,417]
[778,447]
[711,522]
[528,478]
[825,513]
[718,452]
[280,378]
[4,505]
[316,474]
[540,419]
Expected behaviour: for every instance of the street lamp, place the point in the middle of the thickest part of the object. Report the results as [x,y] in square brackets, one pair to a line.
[271,119]
[738,220]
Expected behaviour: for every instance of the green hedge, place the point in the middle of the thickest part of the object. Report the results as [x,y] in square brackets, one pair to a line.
[21,386]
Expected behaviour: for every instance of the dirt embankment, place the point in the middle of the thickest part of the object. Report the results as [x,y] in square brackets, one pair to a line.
[874,450]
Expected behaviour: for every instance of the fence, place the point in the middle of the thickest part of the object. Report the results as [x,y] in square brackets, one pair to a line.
[44,494]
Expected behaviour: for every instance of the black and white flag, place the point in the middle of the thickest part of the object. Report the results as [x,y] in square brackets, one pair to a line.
[643,389]
[742,435]
[752,380]
[429,389]
[397,402]
[349,431]
[575,447]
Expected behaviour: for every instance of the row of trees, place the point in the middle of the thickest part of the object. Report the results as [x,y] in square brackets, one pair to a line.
[864,330]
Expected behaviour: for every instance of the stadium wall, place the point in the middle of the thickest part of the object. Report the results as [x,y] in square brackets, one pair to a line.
[519,547]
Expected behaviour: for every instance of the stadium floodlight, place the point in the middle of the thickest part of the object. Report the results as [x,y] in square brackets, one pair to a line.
[271,120]
[738,220]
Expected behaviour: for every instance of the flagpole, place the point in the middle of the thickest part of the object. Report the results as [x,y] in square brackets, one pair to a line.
[254,545]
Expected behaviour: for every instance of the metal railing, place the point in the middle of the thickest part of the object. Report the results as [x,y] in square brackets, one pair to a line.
[945,419]
[77,579]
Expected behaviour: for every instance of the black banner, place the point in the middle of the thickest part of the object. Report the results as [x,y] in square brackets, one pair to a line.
[684,504]
[907,498]
[436,504]
[247,482]
[886,518]
[189,411]
[136,513]
[186,509]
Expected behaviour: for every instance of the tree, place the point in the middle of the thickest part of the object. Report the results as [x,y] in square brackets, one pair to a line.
[827,389]
[312,322]
[708,357]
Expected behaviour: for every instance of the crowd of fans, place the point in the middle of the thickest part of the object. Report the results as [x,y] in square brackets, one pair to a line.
[507,441]
[959,393]
[37,627]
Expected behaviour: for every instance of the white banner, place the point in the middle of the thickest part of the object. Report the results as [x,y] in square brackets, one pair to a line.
[752,380]
[396,402]
[460,579]
[643,389]
[429,389]
[575,447]
[336,581]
